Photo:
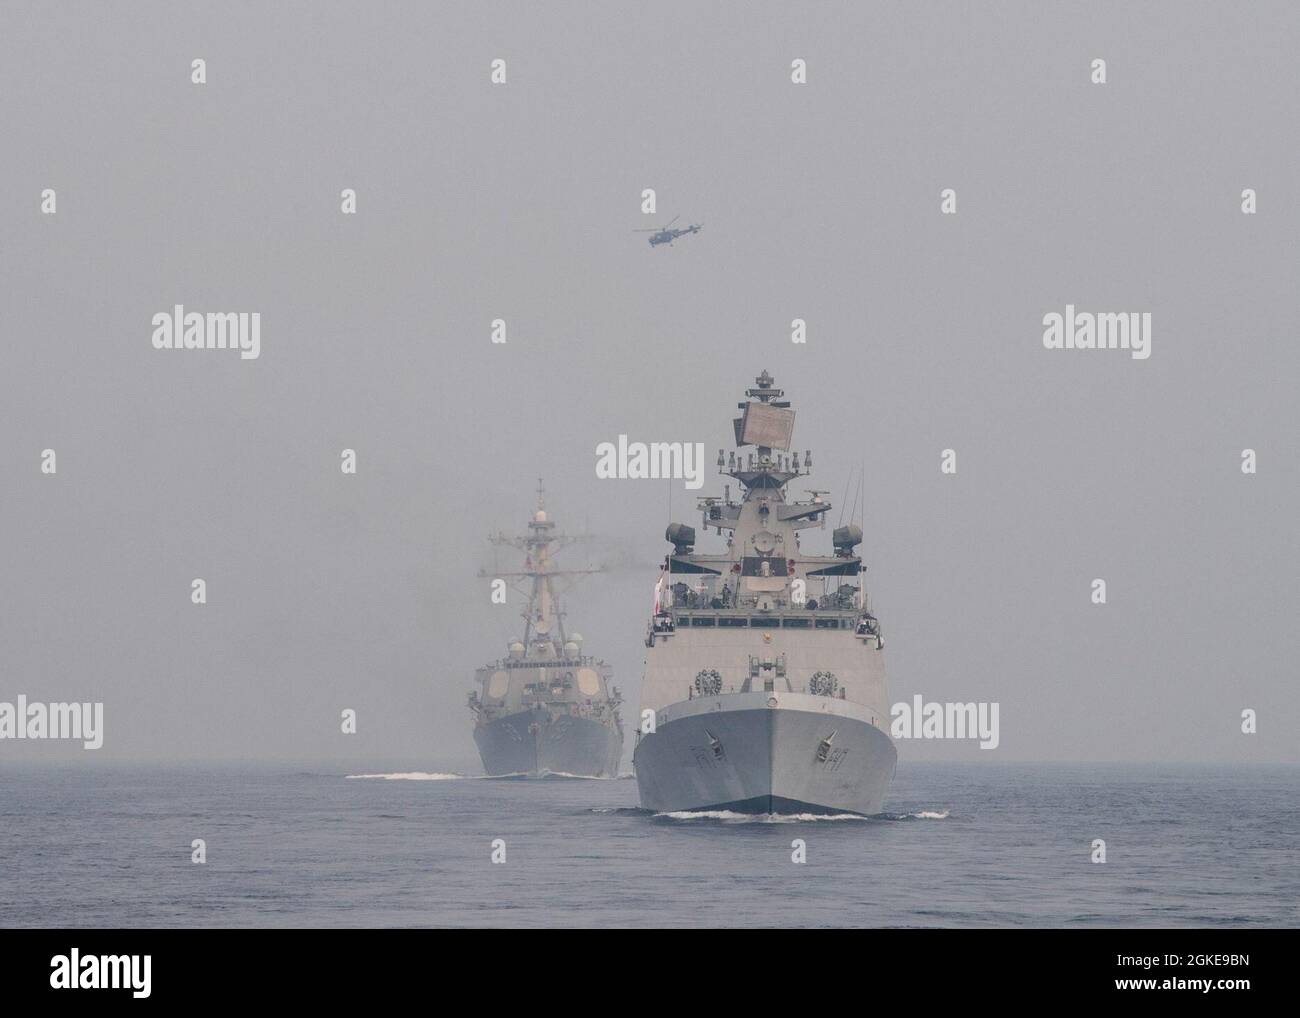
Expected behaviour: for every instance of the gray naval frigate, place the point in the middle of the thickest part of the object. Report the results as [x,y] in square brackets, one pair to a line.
[764,687]
[546,709]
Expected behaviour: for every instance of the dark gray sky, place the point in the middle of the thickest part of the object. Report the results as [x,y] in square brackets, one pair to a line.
[476,202]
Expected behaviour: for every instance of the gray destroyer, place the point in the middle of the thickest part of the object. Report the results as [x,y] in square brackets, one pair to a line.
[764,685]
[546,709]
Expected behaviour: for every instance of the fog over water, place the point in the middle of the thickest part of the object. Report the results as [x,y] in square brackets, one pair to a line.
[328,591]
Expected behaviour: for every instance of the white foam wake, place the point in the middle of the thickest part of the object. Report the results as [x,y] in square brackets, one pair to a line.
[730,816]
[436,776]
[414,776]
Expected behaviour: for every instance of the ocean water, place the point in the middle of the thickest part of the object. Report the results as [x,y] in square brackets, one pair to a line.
[962,845]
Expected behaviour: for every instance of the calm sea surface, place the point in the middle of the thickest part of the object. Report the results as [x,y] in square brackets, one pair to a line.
[987,845]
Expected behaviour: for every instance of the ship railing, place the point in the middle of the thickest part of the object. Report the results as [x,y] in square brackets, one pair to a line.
[549,662]
[765,684]
[784,618]
[705,597]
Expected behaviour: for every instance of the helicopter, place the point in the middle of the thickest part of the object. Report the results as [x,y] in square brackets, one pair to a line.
[666,234]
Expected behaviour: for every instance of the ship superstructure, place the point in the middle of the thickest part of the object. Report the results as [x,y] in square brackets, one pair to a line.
[764,678]
[547,709]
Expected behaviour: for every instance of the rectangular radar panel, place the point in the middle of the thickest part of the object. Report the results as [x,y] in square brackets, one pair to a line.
[769,426]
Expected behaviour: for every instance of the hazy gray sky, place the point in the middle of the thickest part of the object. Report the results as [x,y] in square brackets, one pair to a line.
[475,202]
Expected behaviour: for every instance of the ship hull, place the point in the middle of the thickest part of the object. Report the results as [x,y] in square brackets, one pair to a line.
[765,753]
[532,744]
